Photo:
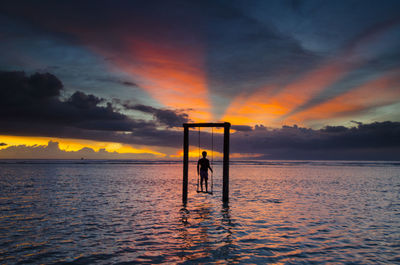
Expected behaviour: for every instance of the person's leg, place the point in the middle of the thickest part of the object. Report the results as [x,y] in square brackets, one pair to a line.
[201,182]
[206,181]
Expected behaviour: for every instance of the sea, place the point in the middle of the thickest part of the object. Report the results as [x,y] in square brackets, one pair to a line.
[131,212]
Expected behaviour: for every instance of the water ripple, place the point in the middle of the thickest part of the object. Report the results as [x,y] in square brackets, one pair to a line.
[128,213]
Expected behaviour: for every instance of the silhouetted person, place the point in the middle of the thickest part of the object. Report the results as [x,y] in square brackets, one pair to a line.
[204,164]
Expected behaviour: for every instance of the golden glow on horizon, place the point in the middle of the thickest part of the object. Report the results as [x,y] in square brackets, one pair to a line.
[216,155]
[195,153]
[75,144]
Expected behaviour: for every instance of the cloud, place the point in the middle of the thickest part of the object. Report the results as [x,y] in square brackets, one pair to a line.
[358,73]
[179,52]
[117,81]
[36,98]
[381,91]
[83,101]
[242,128]
[204,54]
[31,106]
[53,151]
[16,87]
[3,144]
[128,83]
[170,118]
[252,56]
[378,140]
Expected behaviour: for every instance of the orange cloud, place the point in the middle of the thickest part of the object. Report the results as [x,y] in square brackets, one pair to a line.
[262,107]
[253,109]
[302,90]
[378,92]
[171,74]
[276,110]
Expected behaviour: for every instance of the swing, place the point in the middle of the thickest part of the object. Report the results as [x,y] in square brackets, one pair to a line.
[225,161]
[212,164]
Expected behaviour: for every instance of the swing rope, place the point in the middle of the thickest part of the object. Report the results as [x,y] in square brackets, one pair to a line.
[198,175]
[212,160]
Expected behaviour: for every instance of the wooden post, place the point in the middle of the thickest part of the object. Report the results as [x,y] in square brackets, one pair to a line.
[185,164]
[225,172]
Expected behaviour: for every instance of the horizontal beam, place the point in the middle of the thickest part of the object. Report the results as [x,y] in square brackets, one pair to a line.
[219,124]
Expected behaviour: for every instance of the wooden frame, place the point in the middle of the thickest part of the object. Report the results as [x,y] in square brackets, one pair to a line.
[225,172]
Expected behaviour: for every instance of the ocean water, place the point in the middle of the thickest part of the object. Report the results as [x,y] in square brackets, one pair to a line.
[126,212]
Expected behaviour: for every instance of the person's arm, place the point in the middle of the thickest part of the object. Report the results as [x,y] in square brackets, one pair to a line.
[210,166]
[198,167]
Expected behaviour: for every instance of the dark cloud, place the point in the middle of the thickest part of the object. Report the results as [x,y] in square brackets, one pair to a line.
[31,106]
[117,81]
[170,118]
[3,144]
[377,140]
[242,128]
[83,101]
[128,83]
[36,98]
[260,127]
[17,88]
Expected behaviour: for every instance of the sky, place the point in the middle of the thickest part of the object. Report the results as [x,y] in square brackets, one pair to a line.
[116,79]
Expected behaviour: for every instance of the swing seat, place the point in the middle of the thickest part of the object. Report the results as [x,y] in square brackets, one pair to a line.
[208,192]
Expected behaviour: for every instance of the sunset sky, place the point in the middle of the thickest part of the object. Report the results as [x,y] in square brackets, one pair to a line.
[116,79]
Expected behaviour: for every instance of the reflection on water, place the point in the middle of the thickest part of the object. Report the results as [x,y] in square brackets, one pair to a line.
[212,238]
[279,213]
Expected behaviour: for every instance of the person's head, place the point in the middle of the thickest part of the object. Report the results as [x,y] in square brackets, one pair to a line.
[204,154]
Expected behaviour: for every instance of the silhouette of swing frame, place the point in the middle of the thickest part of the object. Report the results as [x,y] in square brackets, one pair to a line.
[225,168]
